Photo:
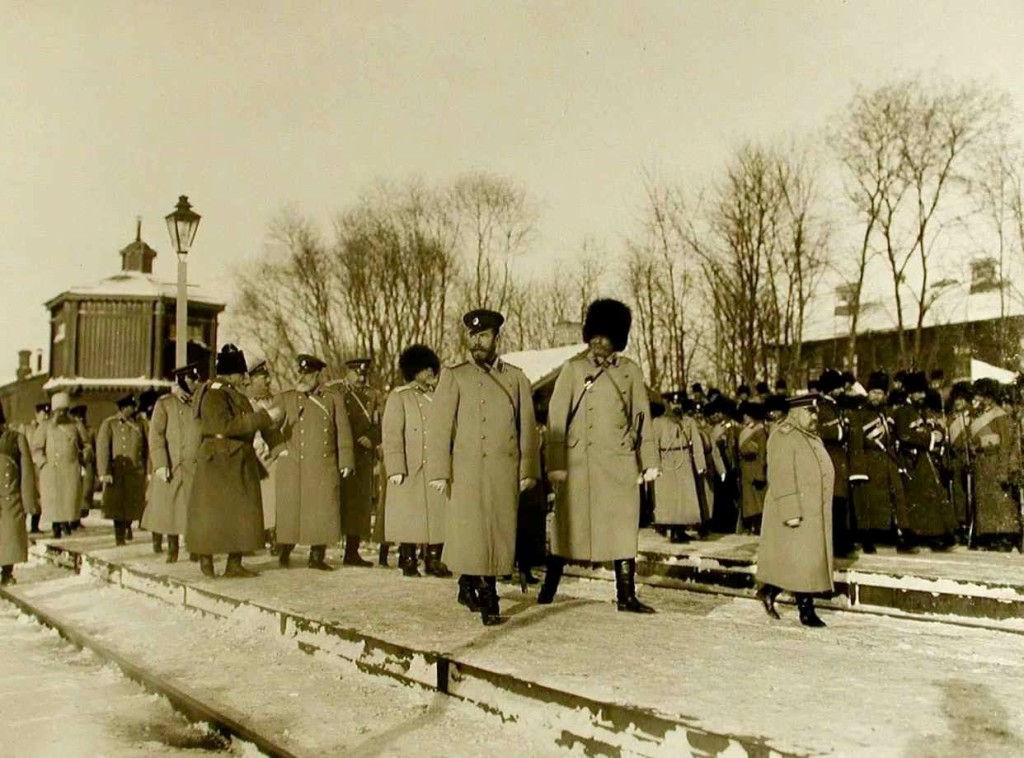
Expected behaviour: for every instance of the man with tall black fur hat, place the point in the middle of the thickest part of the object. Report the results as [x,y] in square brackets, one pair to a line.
[996,469]
[173,443]
[833,429]
[122,462]
[225,511]
[313,453]
[482,450]
[600,448]
[414,514]
[959,457]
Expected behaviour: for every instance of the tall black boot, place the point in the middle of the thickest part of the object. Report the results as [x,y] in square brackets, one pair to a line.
[173,543]
[318,558]
[434,565]
[284,555]
[382,554]
[767,594]
[236,569]
[490,613]
[625,587]
[55,526]
[807,615]
[407,559]
[678,536]
[352,557]
[468,592]
[34,523]
[553,575]
[158,543]
[206,565]
[7,575]
[119,533]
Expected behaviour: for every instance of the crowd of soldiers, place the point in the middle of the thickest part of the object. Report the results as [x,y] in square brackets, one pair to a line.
[459,467]
[917,463]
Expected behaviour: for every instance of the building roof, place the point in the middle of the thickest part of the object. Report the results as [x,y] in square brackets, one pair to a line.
[58,383]
[135,284]
[540,365]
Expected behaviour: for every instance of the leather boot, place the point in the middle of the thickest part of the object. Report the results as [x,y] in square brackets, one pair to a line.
[352,557]
[128,531]
[678,535]
[318,558]
[284,555]
[206,565]
[625,587]
[34,523]
[552,577]
[807,615]
[235,568]
[767,594]
[382,554]
[56,532]
[158,543]
[119,533]
[490,613]
[173,544]
[7,575]
[434,565]
[407,559]
[468,593]
[270,540]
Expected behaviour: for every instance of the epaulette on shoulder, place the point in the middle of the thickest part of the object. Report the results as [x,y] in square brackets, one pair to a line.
[216,385]
[460,364]
[403,388]
[785,427]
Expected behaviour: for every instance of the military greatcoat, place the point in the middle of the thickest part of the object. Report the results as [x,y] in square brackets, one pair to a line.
[995,460]
[876,483]
[173,443]
[58,449]
[414,512]
[358,491]
[481,437]
[225,512]
[800,473]
[676,495]
[311,448]
[17,496]
[930,510]
[121,453]
[753,447]
[603,445]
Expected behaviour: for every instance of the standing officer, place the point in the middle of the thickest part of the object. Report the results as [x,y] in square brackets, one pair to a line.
[752,443]
[173,442]
[42,414]
[679,491]
[482,449]
[414,512]
[996,469]
[260,396]
[834,431]
[121,466]
[312,454]
[599,449]
[60,446]
[17,496]
[225,511]
[961,464]
[80,412]
[362,403]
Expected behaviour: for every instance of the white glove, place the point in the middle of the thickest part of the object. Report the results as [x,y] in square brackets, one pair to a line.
[163,473]
[276,414]
[793,522]
[441,485]
[558,476]
[346,473]
[651,474]
[396,478]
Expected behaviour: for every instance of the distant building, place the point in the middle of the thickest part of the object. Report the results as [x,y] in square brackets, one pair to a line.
[114,337]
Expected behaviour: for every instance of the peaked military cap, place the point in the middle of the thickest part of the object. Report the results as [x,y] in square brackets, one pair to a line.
[809,400]
[775,403]
[309,364]
[79,411]
[357,362]
[260,369]
[481,319]
[42,407]
[191,371]
[128,401]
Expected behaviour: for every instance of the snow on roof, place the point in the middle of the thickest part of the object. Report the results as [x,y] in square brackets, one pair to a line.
[540,364]
[62,382]
[982,370]
[138,284]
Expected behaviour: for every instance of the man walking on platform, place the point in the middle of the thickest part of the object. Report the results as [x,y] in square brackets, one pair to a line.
[600,447]
[35,511]
[312,454]
[59,448]
[173,443]
[121,464]
[482,450]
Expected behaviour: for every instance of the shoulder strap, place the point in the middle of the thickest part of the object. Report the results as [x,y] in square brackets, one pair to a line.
[511,400]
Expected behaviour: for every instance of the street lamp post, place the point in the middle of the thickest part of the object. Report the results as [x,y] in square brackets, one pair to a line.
[182,224]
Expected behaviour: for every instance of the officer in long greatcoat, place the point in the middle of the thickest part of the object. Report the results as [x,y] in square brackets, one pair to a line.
[259,394]
[358,492]
[959,457]
[42,414]
[414,512]
[313,454]
[752,443]
[173,443]
[17,497]
[996,469]
[225,512]
[679,491]
[795,549]
[59,448]
[600,446]
[482,448]
[81,412]
[121,465]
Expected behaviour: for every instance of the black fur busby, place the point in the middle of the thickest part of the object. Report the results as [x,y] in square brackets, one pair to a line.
[987,387]
[830,381]
[878,380]
[761,388]
[743,389]
[611,319]
[231,360]
[415,359]
[657,408]
[933,400]
[753,409]
[961,389]
[915,381]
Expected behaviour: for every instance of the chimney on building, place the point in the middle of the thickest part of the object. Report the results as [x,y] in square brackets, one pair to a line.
[138,256]
[24,365]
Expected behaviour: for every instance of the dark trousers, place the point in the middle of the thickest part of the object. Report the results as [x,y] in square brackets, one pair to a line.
[842,526]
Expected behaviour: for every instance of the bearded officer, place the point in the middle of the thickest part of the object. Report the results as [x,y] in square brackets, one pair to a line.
[482,448]
[600,446]
[173,442]
[121,464]
[312,454]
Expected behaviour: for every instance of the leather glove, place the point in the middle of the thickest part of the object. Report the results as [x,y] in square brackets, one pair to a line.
[760,484]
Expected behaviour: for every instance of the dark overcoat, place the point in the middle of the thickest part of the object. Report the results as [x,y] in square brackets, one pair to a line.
[174,436]
[481,438]
[414,512]
[876,484]
[225,512]
[930,510]
[363,405]
[17,496]
[957,457]
[800,473]
[681,450]
[995,457]
[604,446]
[311,448]
[121,453]
[753,447]
[59,448]
[833,430]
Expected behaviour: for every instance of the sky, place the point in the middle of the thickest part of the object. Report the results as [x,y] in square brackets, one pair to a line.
[110,110]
